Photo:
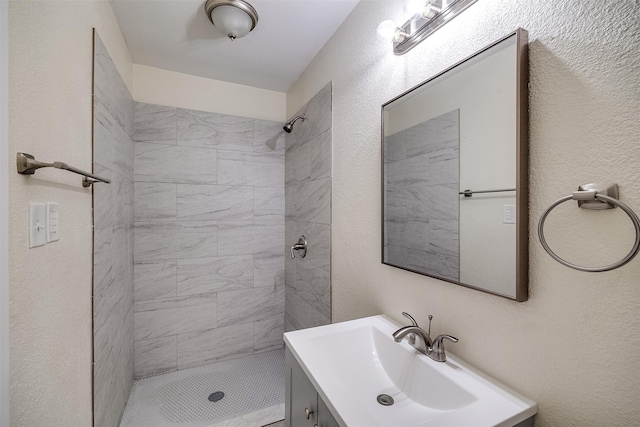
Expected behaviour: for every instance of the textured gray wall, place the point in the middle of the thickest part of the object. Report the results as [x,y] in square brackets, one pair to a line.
[112,240]
[209,227]
[308,210]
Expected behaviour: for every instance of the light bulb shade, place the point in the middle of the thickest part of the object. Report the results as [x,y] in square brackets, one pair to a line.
[387,30]
[233,18]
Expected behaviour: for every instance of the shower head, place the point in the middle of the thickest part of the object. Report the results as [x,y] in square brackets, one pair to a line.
[289,126]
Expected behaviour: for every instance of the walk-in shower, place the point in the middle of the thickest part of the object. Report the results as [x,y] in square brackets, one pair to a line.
[289,126]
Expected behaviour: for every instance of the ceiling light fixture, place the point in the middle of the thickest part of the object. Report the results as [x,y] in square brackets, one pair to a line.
[426,17]
[233,18]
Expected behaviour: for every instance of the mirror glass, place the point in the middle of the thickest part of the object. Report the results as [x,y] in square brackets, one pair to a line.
[454,173]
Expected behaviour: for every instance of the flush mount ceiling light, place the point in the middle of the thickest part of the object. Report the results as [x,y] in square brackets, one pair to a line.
[233,18]
[426,17]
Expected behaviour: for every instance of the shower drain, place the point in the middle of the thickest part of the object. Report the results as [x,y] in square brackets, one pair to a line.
[214,397]
[385,400]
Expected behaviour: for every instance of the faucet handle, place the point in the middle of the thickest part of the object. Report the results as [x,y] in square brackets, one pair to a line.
[412,337]
[438,343]
[410,317]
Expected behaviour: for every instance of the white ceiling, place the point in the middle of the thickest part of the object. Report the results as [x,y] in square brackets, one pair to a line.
[177,35]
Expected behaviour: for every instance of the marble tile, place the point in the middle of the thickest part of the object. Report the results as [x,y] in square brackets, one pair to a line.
[120,252]
[395,233]
[123,152]
[102,259]
[417,235]
[104,78]
[319,244]
[103,199]
[122,200]
[410,172]
[235,307]
[214,202]
[172,316]
[268,269]
[120,107]
[268,137]
[292,233]
[113,272]
[128,107]
[395,147]
[256,169]
[195,239]
[178,164]
[445,266]
[313,284]
[268,203]
[290,192]
[155,123]
[106,391]
[127,366]
[156,356]
[208,275]
[396,255]
[288,326]
[154,241]
[432,135]
[312,201]
[107,313]
[300,314]
[433,202]
[318,116]
[214,345]
[320,155]
[297,164]
[154,280]
[249,237]
[444,237]
[444,167]
[211,130]
[172,240]
[267,334]
[155,201]
[103,141]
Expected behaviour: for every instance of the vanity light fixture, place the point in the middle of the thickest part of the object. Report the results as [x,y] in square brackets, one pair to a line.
[426,17]
[233,18]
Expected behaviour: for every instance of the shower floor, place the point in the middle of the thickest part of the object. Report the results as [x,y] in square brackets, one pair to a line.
[253,389]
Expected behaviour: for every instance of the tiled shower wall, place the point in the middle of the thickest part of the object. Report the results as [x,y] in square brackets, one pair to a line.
[308,212]
[112,240]
[209,226]
[422,178]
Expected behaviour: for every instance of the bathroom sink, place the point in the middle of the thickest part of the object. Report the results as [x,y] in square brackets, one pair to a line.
[352,363]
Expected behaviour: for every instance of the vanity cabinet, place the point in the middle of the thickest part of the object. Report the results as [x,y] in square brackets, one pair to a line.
[303,405]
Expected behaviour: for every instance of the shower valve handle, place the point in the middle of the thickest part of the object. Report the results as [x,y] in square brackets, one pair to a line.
[300,246]
[307,412]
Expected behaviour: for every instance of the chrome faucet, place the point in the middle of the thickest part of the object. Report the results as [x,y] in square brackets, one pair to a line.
[425,345]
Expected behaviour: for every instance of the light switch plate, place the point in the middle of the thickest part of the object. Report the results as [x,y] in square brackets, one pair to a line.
[509,214]
[37,224]
[53,227]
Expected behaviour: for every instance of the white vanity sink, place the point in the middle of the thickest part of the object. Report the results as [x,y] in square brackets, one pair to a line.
[351,363]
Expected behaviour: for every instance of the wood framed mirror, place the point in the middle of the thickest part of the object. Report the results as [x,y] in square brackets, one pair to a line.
[455,173]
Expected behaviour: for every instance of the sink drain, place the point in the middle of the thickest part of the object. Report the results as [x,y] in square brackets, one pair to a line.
[385,400]
[214,397]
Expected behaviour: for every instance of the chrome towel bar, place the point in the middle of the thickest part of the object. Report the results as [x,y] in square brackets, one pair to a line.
[594,196]
[470,193]
[27,165]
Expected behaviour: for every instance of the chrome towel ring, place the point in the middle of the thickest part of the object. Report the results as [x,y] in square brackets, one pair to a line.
[594,196]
